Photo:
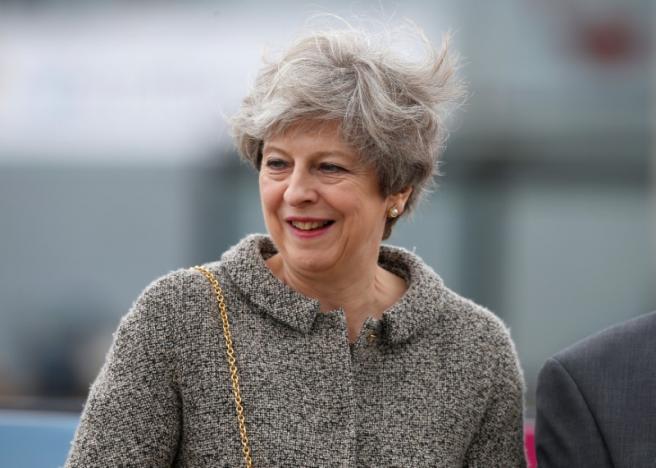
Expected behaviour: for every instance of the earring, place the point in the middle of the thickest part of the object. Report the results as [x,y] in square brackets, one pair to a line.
[393,212]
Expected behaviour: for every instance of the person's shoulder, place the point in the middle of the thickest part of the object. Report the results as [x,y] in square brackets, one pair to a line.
[483,338]
[171,287]
[473,320]
[611,343]
[166,297]
[454,314]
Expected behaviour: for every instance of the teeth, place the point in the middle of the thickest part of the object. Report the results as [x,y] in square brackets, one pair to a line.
[308,226]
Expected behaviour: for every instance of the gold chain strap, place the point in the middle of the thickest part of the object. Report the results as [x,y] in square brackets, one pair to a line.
[232,363]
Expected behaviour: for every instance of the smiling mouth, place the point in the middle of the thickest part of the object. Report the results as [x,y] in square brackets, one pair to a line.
[310,225]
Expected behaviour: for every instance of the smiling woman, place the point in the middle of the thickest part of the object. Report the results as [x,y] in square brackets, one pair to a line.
[340,351]
[326,215]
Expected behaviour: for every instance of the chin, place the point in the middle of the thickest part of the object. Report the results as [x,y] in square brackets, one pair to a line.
[308,262]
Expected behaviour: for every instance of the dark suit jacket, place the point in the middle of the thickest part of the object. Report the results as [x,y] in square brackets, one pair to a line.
[596,400]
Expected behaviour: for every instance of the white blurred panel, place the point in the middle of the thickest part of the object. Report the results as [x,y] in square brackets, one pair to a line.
[126,84]
[118,83]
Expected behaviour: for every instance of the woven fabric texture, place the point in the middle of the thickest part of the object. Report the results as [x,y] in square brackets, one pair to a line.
[435,382]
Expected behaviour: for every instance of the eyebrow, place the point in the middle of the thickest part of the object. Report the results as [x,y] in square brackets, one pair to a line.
[268,147]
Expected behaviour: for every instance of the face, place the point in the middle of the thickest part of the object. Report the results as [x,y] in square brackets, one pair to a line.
[322,206]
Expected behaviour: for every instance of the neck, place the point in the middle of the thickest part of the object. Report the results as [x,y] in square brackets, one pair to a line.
[363,292]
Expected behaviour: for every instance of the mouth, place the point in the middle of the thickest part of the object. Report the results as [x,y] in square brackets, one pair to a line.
[308,227]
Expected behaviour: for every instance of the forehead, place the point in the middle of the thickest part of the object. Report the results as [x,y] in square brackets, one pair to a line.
[311,137]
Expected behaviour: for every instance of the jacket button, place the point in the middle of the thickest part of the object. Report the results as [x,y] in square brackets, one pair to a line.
[371,337]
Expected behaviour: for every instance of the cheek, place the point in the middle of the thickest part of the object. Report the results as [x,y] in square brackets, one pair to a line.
[371,204]
[268,195]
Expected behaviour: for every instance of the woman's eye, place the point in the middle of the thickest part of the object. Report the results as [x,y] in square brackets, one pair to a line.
[276,164]
[331,168]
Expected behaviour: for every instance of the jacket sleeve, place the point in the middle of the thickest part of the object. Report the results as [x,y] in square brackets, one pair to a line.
[500,439]
[566,433]
[132,414]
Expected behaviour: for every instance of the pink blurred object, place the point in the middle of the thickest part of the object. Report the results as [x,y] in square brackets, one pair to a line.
[529,443]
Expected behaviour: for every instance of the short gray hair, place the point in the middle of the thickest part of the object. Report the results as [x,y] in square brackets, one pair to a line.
[391,109]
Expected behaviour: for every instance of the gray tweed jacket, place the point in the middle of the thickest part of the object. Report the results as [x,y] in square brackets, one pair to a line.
[435,382]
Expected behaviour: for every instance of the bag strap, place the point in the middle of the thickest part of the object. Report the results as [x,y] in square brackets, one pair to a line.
[232,362]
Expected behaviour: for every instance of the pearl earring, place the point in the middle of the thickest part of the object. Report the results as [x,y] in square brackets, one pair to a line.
[393,212]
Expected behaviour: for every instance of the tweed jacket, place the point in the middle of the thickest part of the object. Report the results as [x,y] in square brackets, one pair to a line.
[434,383]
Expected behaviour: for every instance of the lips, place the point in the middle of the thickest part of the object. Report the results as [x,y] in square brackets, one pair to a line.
[309,225]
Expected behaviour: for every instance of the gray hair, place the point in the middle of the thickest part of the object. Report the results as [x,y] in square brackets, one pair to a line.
[390,109]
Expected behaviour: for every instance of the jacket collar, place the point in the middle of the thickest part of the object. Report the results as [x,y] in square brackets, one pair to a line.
[417,309]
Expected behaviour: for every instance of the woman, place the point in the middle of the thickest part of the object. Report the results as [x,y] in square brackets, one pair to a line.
[348,353]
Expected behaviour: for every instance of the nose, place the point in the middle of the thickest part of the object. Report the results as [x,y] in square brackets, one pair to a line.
[300,188]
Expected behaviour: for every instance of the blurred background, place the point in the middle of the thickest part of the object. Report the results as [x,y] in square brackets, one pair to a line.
[116,166]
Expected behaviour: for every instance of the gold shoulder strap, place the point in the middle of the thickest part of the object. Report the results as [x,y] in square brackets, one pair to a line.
[232,362]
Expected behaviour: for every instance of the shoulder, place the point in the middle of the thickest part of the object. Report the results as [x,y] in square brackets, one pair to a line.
[457,325]
[473,321]
[483,336]
[436,309]
[176,295]
[612,346]
[168,297]
[603,360]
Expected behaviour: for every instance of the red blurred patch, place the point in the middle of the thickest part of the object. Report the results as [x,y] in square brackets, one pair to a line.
[529,444]
[609,40]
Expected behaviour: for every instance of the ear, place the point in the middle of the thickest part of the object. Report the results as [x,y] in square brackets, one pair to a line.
[399,199]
